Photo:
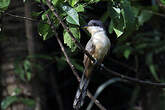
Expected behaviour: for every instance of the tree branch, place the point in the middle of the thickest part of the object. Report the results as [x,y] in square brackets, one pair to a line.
[20,17]
[135,80]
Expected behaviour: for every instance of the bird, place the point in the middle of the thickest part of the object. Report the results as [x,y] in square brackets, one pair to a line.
[98,47]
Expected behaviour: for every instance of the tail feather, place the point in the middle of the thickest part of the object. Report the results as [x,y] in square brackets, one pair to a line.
[81,93]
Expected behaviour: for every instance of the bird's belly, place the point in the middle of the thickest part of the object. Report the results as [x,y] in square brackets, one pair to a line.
[101,48]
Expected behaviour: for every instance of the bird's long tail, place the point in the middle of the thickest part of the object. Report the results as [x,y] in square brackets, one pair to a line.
[81,93]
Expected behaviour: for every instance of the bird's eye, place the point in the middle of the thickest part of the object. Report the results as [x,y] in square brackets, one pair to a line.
[95,24]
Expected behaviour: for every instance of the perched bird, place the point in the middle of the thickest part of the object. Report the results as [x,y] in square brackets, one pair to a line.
[97,46]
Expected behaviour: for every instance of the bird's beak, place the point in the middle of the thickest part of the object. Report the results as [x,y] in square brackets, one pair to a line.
[85,27]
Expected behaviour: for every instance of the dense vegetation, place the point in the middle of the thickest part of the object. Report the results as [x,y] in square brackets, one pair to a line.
[35,73]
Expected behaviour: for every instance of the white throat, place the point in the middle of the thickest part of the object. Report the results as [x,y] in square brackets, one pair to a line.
[95,29]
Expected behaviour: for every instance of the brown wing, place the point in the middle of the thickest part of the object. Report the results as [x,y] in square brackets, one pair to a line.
[87,62]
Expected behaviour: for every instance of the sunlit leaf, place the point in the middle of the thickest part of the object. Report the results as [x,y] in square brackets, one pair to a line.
[79,8]
[73,2]
[72,15]
[55,2]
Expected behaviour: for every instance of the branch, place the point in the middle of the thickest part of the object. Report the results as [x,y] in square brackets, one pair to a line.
[135,80]
[71,65]
[20,17]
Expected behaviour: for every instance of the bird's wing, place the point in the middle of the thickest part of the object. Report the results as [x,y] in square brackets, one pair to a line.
[90,47]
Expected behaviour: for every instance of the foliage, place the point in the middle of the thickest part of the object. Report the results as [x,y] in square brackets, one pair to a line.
[16,98]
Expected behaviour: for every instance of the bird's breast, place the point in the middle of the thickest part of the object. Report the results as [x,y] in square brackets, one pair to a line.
[102,45]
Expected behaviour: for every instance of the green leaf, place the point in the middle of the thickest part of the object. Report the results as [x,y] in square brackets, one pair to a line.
[68,40]
[117,21]
[129,17]
[4,4]
[163,2]
[72,15]
[118,26]
[127,53]
[149,62]
[28,102]
[55,2]
[110,28]
[19,70]
[28,75]
[73,2]
[8,101]
[144,16]
[45,31]
[79,8]
[113,11]
[27,65]
[118,32]
[17,91]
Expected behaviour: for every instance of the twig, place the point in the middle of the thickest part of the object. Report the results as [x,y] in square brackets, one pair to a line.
[20,17]
[72,66]
[135,80]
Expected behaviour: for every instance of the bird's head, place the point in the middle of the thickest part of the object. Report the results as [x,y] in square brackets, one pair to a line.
[94,26]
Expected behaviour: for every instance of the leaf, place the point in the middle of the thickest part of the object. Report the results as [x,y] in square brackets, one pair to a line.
[55,2]
[68,40]
[118,26]
[163,2]
[127,53]
[149,62]
[110,28]
[129,17]
[118,32]
[72,15]
[143,17]
[17,91]
[45,31]
[8,101]
[19,70]
[28,102]
[73,2]
[4,4]
[27,65]
[79,8]
[28,75]
[117,21]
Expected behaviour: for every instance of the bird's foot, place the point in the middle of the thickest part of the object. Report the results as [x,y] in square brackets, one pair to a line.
[94,62]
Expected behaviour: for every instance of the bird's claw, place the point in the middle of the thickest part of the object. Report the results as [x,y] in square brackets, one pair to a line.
[94,62]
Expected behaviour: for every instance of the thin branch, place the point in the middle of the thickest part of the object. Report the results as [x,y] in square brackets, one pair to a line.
[135,80]
[20,17]
[71,65]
